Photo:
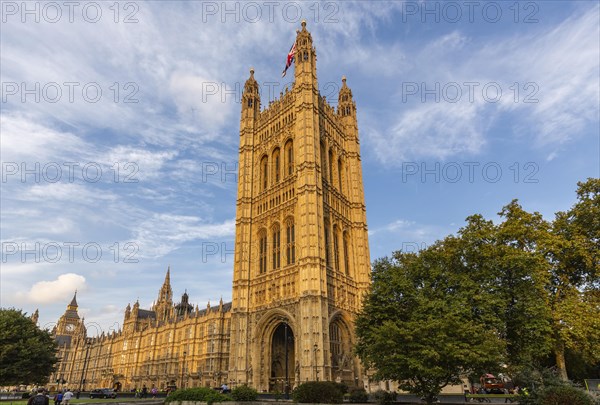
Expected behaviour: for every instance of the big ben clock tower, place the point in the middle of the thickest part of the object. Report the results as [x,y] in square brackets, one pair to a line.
[69,321]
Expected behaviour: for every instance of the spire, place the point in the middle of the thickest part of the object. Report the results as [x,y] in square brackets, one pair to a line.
[35,317]
[166,293]
[74,300]
[251,85]
[346,105]
[251,98]
[168,276]
[305,70]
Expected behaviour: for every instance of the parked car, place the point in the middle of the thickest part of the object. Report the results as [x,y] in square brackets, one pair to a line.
[103,393]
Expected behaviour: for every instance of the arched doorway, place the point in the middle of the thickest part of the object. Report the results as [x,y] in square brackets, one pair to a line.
[344,368]
[283,359]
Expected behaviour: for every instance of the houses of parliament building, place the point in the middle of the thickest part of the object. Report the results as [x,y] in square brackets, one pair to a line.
[301,264]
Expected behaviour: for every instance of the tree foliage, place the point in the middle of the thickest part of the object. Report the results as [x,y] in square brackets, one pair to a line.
[574,288]
[426,322]
[27,354]
[505,294]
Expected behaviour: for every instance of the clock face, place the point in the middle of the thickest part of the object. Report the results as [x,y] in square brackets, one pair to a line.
[70,328]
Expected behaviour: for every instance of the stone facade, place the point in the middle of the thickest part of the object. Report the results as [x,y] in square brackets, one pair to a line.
[169,345]
[301,263]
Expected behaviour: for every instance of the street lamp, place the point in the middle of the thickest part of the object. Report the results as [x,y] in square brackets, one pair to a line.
[315,348]
[182,368]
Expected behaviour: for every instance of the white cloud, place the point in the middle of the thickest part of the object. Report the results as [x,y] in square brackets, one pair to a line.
[203,97]
[433,130]
[559,67]
[25,138]
[130,164]
[70,192]
[406,235]
[163,233]
[64,286]
[565,64]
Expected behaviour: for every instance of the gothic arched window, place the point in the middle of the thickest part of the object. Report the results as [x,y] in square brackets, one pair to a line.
[336,246]
[289,157]
[335,344]
[346,254]
[323,162]
[290,241]
[327,257]
[264,172]
[262,251]
[340,174]
[331,167]
[276,247]
[276,166]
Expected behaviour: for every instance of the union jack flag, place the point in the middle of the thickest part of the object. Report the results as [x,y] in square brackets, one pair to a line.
[290,58]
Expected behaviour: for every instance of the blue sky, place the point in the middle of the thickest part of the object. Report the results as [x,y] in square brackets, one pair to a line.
[120,128]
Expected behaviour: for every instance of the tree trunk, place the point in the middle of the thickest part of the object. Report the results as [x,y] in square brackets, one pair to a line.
[561,365]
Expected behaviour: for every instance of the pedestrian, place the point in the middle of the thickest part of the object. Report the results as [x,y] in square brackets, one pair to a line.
[58,398]
[39,398]
[67,397]
[144,391]
[154,391]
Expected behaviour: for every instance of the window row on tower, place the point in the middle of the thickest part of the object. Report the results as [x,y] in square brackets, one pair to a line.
[337,254]
[277,126]
[332,168]
[275,167]
[269,246]
[285,194]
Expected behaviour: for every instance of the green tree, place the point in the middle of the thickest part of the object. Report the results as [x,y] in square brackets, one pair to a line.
[506,294]
[522,275]
[574,287]
[27,354]
[426,322]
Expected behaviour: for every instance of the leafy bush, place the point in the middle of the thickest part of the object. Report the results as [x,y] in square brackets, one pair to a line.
[342,387]
[244,393]
[358,395]
[202,394]
[319,392]
[561,395]
[533,381]
[383,397]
